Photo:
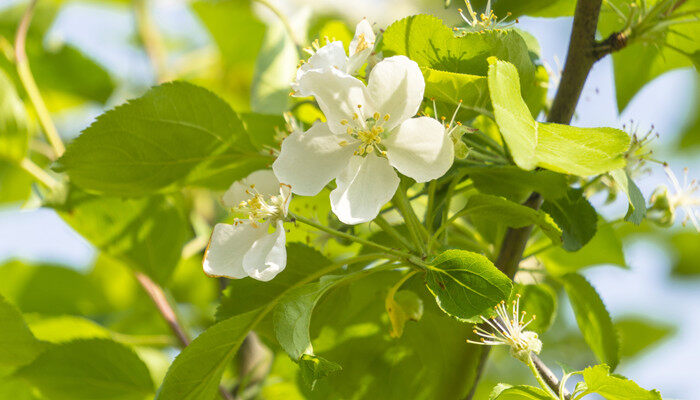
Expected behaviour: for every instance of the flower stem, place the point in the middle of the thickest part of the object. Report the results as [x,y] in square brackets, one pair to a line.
[539,378]
[38,173]
[398,254]
[27,79]
[391,231]
[414,226]
[152,40]
[285,21]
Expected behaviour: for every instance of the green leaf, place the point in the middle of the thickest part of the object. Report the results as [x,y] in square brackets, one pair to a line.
[176,133]
[49,289]
[292,316]
[449,88]
[14,127]
[560,148]
[614,387]
[263,128]
[604,248]
[403,306]
[466,285]
[65,328]
[521,392]
[638,334]
[131,230]
[18,346]
[197,370]
[516,184]
[538,300]
[89,369]
[314,368]
[275,67]
[637,205]
[493,208]
[576,217]
[684,246]
[455,67]
[593,319]
[244,295]
[16,183]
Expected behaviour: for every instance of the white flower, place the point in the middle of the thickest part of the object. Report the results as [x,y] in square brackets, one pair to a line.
[332,55]
[509,329]
[247,247]
[685,197]
[369,132]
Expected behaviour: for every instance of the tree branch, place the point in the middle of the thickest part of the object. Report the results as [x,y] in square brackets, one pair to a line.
[579,61]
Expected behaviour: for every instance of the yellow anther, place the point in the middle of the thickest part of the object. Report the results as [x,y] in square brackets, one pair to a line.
[359,106]
[350,130]
[344,122]
[376,116]
[386,117]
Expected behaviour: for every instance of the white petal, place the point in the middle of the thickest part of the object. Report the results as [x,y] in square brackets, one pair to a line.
[338,95]
[396,88]
[263,180]
[268,256]
[361,46]
[227,247]
[364,186]
[420,149]
[309,160]
[331,55]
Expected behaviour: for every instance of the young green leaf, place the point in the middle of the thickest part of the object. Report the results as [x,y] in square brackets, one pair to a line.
[455,67]
[197,370]
[576,217]
[402,306]
[604,248]
[593,319]
[89,369]
[292,316]
[314,368]
[18,346]
[637,205]
[516,184]
[560,148]
[614,387]
[244,295]
[132,230]
[14,127]
[521,392]
[538,300]
[466,284]
[639,334]
[494,208]
[176,133]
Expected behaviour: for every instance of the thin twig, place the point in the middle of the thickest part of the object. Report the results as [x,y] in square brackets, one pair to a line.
[155,292]
[152,40]
[27,79]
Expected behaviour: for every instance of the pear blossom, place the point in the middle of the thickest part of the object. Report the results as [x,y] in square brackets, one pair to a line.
[332,55]
[509,329]
[253,246]
[369,131]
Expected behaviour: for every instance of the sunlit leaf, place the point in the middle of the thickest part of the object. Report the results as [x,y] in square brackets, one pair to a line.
[466,284]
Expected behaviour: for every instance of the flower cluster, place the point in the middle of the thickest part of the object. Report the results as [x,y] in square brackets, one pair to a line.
[369,134]
[664,204]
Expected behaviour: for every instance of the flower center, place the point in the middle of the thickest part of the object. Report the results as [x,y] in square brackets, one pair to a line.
[361,43]
[369,131]
[262,207]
